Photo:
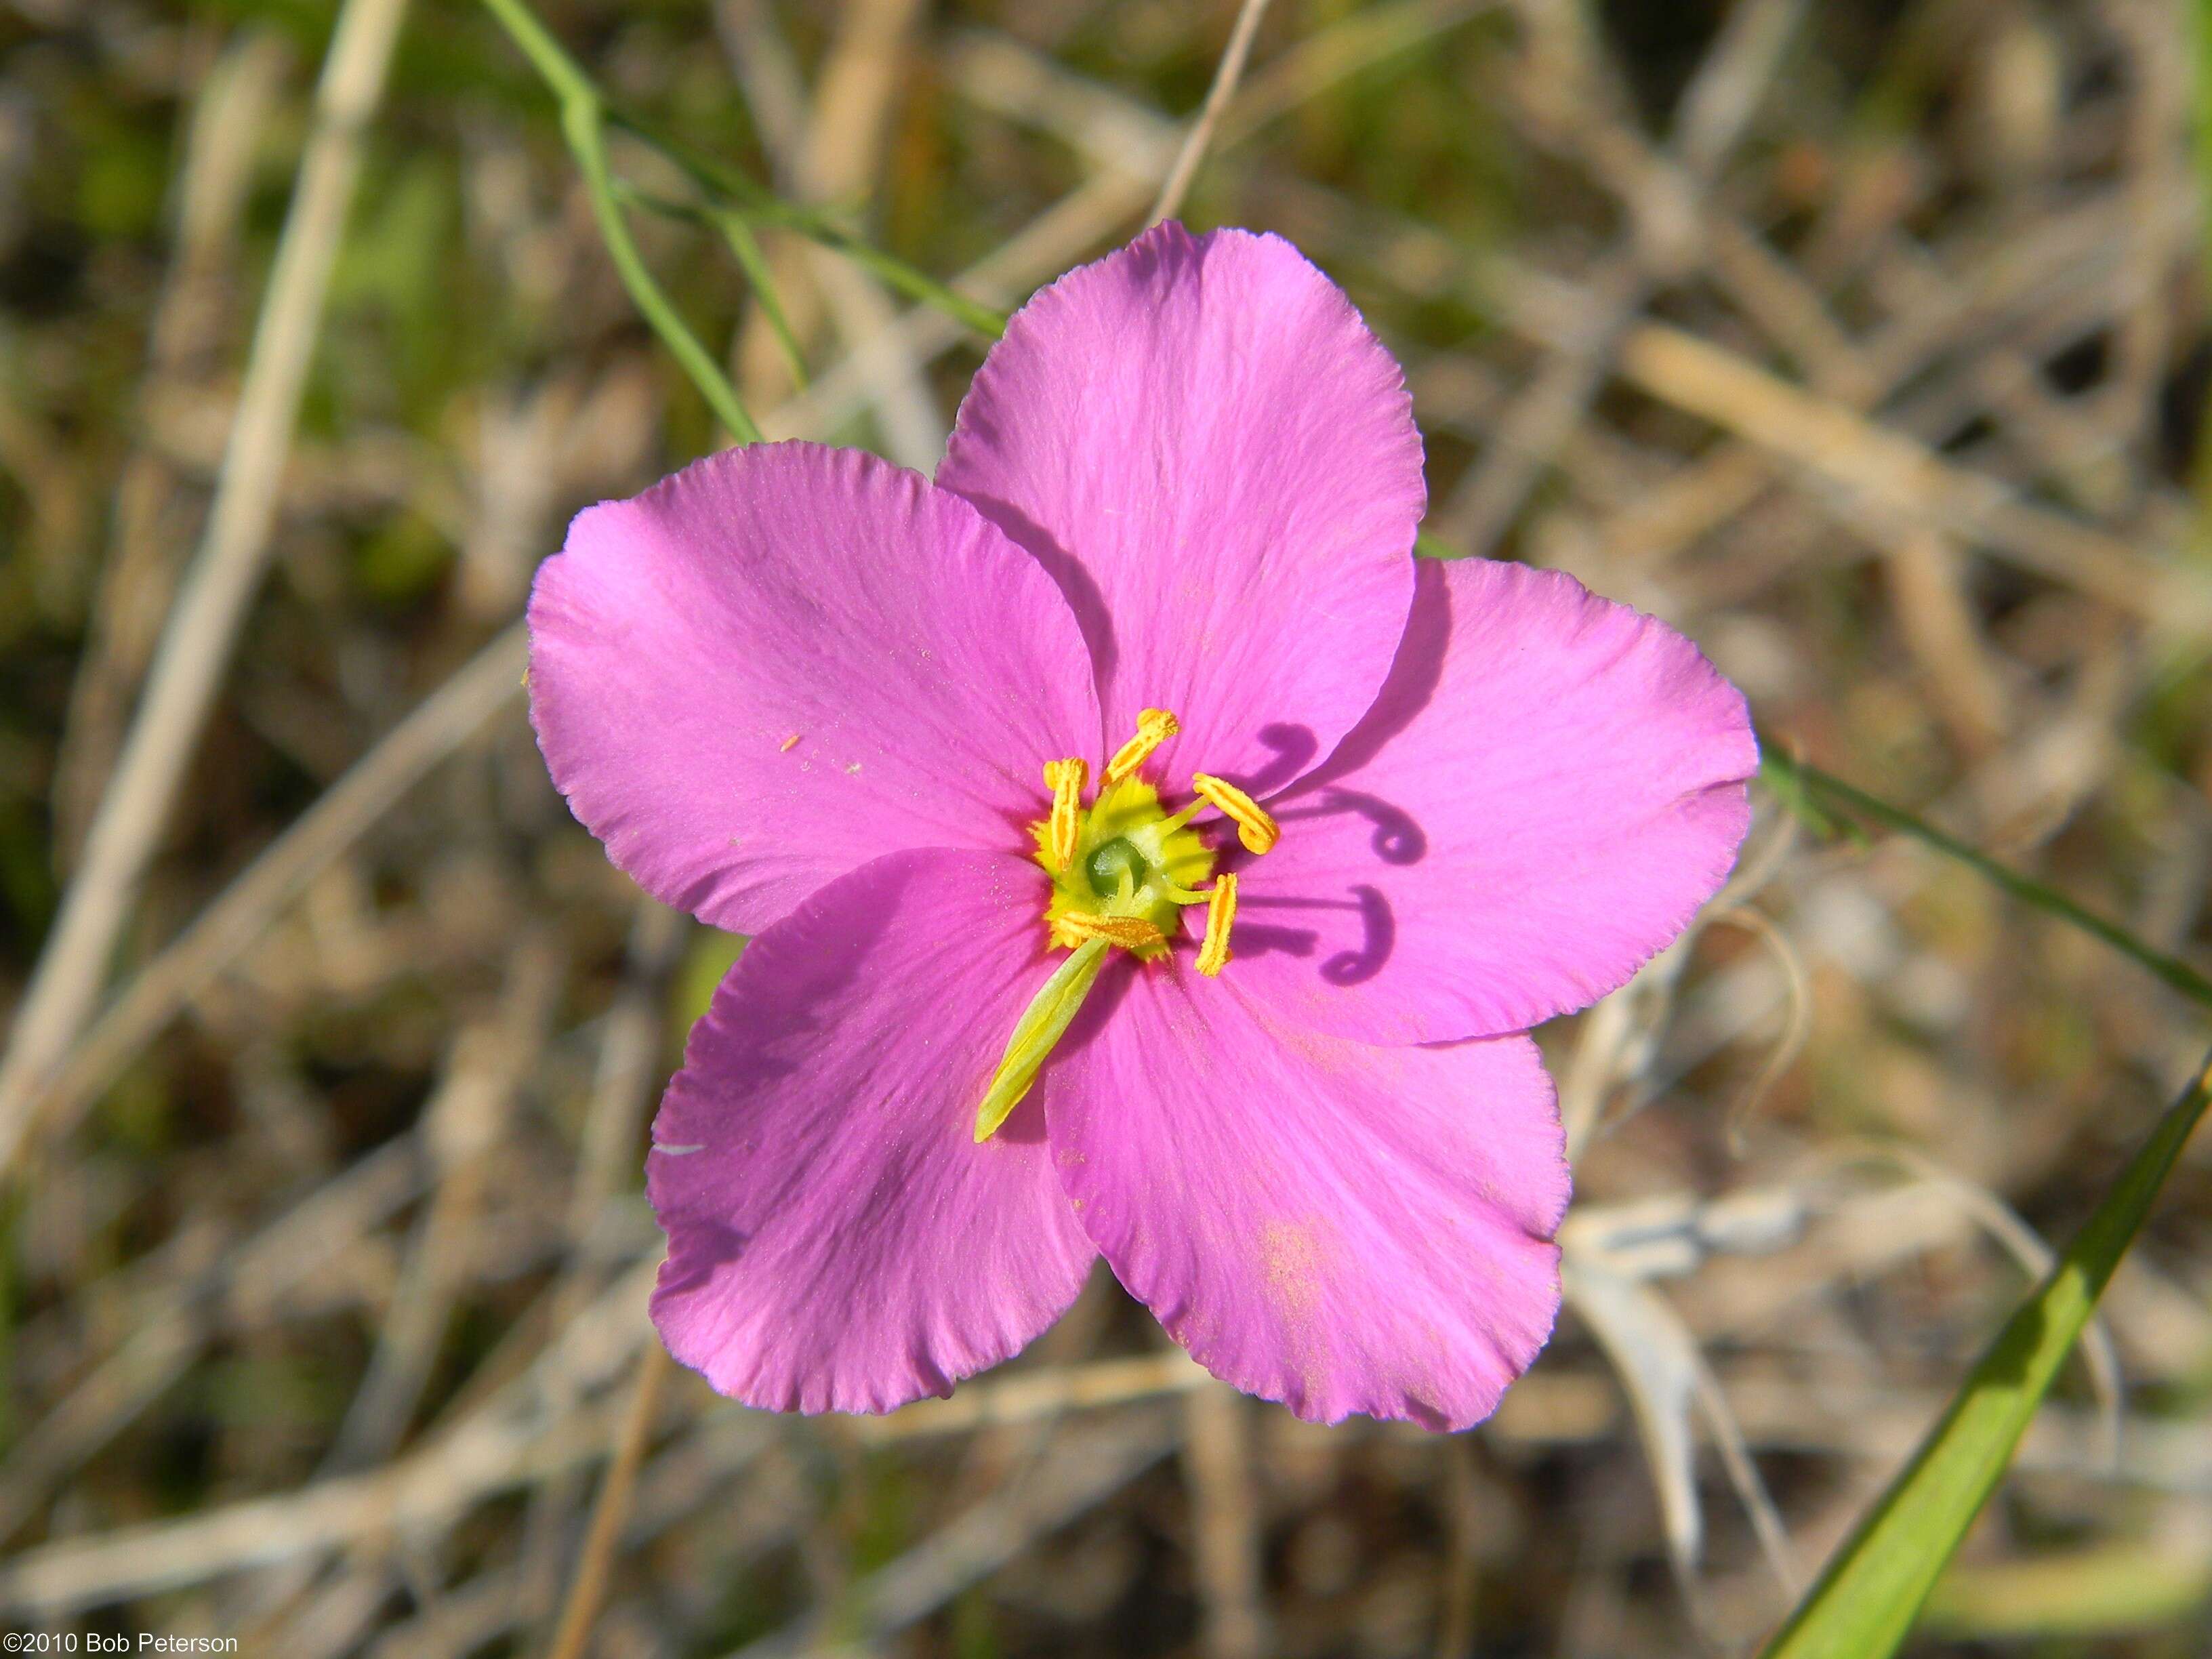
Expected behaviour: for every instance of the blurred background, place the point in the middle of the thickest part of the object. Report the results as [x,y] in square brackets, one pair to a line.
[1865,340]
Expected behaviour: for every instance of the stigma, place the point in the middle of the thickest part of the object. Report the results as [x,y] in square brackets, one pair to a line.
[1124,868]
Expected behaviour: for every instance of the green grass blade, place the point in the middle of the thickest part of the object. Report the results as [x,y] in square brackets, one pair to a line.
[745,249]
[584,105]
[916,285]
[1799,786]
[584,125]
[738,205]
[1866,1602]
[728,187]
[559,70]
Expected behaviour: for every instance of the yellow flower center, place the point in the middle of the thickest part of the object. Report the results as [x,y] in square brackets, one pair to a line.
[1127,859]
[1123,871]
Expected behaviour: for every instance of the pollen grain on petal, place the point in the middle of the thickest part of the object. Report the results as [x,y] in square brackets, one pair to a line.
[1220,913]
[1255,826]
[1131,933]
[1154,727]
[1066,779]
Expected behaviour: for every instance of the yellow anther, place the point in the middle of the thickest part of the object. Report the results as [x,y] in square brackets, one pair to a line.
[1154,727]
[1066,779]
[1131,933]
[1254,827]
[1220,912]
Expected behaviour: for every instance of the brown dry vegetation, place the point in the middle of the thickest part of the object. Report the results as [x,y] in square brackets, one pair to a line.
[1865,342]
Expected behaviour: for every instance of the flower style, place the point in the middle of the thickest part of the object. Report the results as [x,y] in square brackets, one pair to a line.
[1145,855]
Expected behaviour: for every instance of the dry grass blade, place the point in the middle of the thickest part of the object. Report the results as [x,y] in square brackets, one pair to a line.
[589,1585]
[1885,471]
[512,1442]
[468,1115]
[1657,1363]
[1217,1459]
[139,575]
[159,991]
[195,645]
[1226,75]
[1073,1476]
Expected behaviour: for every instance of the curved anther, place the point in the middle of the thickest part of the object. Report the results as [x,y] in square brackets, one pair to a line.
[1256,828]
[1154,727]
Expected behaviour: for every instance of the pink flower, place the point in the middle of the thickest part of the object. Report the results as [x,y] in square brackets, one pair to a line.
[935,746]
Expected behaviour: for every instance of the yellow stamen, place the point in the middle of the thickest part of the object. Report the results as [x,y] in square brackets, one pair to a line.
[1220,912]
[1254,827]
[1131,933]
[1154,727]
[1066,779]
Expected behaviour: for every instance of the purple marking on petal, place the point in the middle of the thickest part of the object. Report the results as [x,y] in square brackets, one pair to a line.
[786,660]
[1340,1227]
[1217,460]
[1549,788]
[837,1240]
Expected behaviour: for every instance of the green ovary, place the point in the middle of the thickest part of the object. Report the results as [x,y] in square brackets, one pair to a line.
[1132,859]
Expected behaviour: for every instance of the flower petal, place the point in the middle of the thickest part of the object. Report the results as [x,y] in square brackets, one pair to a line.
[837,1240]
[1340,1227]
[1546,792]
[787,660]
[1206,446]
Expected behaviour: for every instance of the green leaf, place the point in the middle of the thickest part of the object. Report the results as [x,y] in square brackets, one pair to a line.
[1866,1600]
[1812,793]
